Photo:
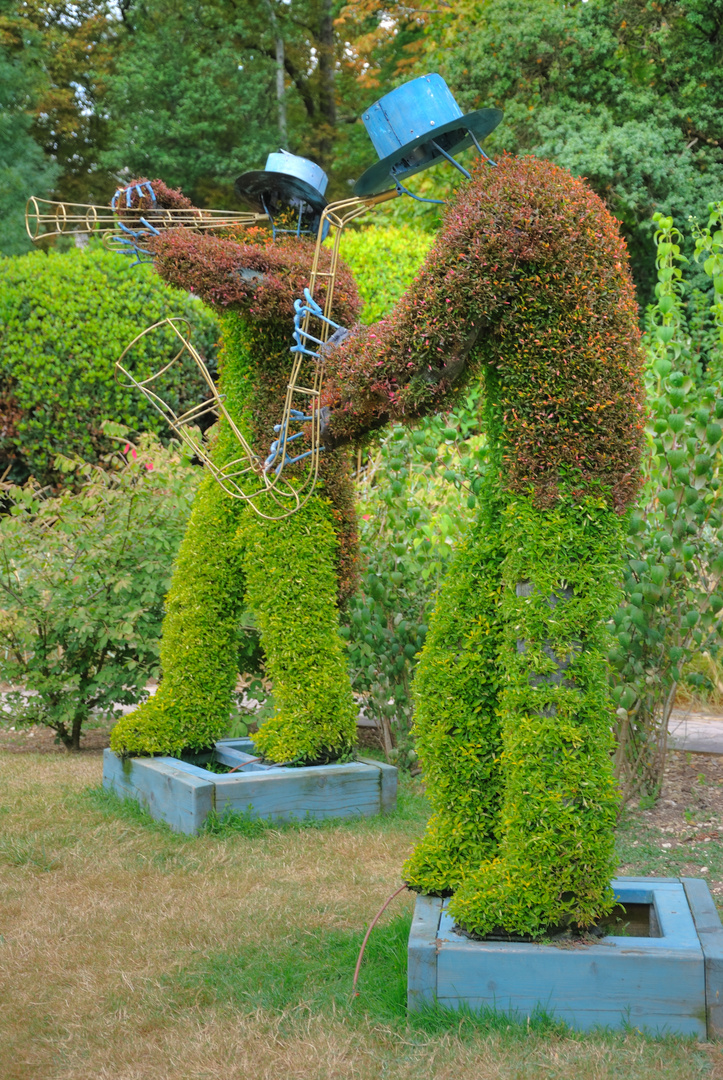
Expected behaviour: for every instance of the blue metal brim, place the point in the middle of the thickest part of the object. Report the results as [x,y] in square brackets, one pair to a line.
[252,186]
[454,137]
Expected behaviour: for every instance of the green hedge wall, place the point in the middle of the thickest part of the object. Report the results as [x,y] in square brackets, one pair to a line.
[64,321]
[384,260]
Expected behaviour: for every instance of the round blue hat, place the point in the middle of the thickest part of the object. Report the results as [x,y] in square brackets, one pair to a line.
[287,179]
[418,125]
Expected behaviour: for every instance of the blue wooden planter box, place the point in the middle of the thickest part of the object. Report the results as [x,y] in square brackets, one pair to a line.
[671,983]
[183,794]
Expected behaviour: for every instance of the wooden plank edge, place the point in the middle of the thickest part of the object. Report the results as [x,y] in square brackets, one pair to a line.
[422,953]
[710,934]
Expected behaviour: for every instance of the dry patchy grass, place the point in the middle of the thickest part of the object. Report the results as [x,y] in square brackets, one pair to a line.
[130,953]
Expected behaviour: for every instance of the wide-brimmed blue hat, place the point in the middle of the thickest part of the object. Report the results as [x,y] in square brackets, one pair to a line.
[287,179]
[418,125]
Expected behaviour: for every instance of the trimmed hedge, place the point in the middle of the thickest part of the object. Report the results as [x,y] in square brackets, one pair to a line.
[384,260]
[64,321]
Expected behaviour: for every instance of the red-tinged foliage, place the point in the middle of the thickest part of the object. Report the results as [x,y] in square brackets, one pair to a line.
[527,285]
[251,273]
[166,198]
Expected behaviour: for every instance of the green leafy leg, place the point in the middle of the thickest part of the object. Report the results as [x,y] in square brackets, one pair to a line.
[292,590]
[555,862]
[456,689]
[199,647]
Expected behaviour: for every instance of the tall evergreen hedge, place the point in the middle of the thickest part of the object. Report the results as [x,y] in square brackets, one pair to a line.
[65,318]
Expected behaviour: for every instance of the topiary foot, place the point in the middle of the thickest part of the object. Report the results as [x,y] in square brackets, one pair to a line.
[162,726]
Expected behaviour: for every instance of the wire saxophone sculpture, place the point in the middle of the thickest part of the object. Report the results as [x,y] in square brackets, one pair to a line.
[313,331]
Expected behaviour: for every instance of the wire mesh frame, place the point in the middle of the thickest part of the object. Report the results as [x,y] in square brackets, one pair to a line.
[229,475]
[62,218]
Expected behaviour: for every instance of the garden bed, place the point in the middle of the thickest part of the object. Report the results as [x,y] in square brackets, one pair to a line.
[665,977]
[184,794]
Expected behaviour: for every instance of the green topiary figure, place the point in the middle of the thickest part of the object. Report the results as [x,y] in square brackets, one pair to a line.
[527,289]
[291,573]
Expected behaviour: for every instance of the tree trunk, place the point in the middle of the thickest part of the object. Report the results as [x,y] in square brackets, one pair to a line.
[75,733]
[280,99]
[327,97]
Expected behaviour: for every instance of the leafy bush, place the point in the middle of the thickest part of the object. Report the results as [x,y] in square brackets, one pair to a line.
[384,260]
[64,321]
[674,596]
[82,581]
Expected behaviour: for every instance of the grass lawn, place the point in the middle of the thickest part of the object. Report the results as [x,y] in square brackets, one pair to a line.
[130,953]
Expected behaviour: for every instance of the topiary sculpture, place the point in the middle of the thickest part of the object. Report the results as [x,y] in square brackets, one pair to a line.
[527,289]
[290,573]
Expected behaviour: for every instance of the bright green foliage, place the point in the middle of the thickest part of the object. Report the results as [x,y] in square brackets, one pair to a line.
[560,578]
[200,642]
[674,599]
[64,321]
[624,92]
[384,261]
[456,689]
[82,578]
[292,590]
[199,647]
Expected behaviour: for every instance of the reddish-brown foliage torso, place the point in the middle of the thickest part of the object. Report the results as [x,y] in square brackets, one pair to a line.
[529,278]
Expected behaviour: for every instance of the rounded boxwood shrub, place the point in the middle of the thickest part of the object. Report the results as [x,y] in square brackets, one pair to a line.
[64,321]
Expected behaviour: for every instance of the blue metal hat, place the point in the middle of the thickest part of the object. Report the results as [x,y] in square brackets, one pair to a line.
[418,125]
[287,180]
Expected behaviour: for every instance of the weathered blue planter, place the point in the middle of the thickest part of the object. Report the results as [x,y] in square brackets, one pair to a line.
[670,982]
[183,795]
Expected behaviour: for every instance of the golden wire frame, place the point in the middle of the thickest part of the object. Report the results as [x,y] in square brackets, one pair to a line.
[338,215]
[64,218]
[229,475]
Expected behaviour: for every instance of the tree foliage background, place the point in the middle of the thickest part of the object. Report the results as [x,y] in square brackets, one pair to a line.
[626,92]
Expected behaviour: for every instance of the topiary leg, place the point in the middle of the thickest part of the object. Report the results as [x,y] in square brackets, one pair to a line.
[556,859]
[292,590]
[199,648]
[456,688]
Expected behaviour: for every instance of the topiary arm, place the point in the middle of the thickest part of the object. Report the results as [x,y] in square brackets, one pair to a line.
[527,278]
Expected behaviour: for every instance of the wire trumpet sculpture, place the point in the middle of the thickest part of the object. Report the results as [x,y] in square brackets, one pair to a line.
[123,228]
[250,476]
